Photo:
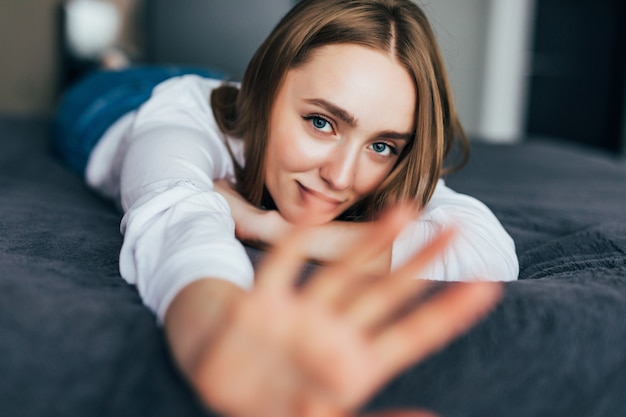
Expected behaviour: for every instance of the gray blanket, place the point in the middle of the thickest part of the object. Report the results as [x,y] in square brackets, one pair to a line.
[75,339]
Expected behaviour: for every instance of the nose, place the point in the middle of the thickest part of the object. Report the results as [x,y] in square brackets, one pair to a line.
[339,168]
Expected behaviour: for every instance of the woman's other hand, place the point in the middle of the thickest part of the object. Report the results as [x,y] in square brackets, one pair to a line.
[327,242]
[323,349]
[252,225]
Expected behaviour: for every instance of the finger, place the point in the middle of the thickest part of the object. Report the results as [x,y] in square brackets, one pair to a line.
[380,236]
[329,284]
[280,268]
[389,294]
[380,301]
[433,324]
[426,255]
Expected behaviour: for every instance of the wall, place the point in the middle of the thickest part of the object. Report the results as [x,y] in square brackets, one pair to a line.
[461,29]
[485,44]
[29,66]
[172,35]
[29,78]
[28,56]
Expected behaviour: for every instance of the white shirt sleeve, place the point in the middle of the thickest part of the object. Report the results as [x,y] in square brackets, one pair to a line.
[176,228]
[480,250]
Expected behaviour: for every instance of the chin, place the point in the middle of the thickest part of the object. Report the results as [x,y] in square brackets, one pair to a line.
[306,218]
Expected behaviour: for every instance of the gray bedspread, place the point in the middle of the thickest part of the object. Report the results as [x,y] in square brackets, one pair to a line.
[75,339]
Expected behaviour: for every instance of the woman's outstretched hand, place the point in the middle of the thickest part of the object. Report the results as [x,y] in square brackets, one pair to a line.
[324,348]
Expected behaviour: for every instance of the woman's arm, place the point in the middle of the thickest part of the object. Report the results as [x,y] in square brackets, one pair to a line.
[266,352]
[176,229]
[194,318]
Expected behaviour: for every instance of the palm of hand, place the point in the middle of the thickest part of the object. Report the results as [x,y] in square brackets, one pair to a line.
[297,357]
[323,349]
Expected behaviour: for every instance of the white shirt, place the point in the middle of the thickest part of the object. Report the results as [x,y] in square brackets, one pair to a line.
[159,162]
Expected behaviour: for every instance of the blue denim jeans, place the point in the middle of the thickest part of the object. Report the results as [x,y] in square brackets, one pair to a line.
[88,108]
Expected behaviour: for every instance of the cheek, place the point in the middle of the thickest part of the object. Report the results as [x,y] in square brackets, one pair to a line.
[290,149]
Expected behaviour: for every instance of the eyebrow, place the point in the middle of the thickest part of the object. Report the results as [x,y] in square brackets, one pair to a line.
[349,119]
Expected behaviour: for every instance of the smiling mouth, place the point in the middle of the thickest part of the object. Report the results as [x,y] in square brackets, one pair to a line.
[306,193]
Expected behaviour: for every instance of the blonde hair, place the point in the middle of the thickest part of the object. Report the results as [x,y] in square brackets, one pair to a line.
[395,26]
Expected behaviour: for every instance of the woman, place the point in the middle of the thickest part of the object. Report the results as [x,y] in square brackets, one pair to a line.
[343,112]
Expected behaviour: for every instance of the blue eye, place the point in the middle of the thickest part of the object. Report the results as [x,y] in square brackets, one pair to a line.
[379,147]
[320,123]
[382,148]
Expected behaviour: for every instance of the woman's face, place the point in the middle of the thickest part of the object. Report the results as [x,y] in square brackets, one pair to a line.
[337,127]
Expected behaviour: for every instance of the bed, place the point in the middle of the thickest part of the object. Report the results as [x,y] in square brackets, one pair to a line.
[75,339]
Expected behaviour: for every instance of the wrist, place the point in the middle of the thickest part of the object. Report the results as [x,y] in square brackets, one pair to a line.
[195,316]
[331,241]
[265,229]
[276,228]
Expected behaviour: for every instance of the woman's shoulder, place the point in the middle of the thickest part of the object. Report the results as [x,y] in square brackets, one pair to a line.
[448,203]
[182,102]
[190,84]
[180,108]
[183,93]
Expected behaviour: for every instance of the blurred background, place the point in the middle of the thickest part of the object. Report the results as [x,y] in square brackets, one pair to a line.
[519,68]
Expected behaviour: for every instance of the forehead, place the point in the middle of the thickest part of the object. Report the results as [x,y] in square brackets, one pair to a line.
[368,83]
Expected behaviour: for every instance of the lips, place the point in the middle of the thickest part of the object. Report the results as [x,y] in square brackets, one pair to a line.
[316,198]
